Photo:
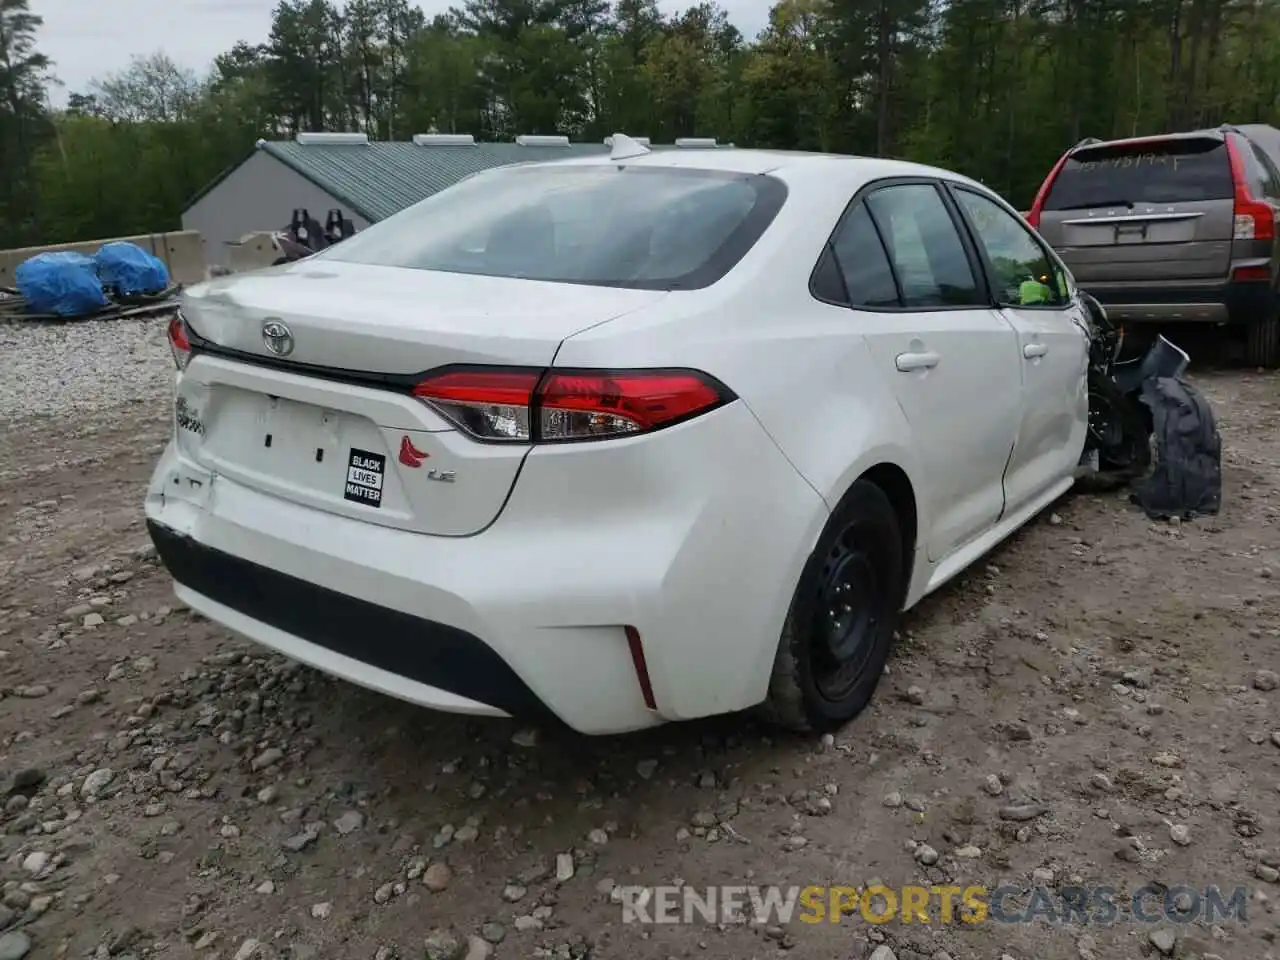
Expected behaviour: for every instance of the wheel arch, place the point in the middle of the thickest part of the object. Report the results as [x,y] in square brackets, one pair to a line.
[784,701]
[896,485]
[889,469]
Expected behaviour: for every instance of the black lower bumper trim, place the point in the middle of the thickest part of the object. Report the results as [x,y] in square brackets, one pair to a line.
[423,650]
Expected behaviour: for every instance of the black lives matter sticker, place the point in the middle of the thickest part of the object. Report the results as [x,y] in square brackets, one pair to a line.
[365,473]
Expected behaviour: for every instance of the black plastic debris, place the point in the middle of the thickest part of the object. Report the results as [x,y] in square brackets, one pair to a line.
[1187,479]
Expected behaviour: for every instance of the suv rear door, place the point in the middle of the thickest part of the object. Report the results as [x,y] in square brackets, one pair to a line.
[1143,211]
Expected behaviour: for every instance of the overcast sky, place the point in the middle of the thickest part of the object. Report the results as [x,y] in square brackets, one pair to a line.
[87,39]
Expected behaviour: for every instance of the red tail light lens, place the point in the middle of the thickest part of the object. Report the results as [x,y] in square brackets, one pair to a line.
[1255,220]
[1251,274]
[179,345]
[532,406]
[488,404]
[575,406]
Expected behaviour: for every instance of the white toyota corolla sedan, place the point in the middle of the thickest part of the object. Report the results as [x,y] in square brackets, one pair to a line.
[623,440]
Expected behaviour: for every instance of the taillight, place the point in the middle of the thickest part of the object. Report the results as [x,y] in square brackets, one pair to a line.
[179,345]
[1033,215]
[488,404]
[535,406]
[1254,219]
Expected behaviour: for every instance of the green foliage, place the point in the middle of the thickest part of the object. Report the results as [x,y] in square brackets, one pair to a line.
[992,88]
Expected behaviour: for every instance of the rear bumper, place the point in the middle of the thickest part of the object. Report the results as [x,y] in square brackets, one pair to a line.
[1237,302]
[402,653]
[663,533]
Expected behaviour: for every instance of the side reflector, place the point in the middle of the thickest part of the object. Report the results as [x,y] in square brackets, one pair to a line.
[642,671]
[1251,274]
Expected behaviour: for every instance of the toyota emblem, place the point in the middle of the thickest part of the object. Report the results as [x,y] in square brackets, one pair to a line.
[277,337]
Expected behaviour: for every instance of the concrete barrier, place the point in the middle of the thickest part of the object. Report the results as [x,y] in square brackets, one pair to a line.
[251,252]
[181,251]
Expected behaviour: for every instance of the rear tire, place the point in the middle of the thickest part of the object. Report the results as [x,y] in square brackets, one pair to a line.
[838,631]
[1263,346]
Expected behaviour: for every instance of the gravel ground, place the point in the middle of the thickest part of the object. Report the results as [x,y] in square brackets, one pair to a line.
[55,369]
[1096,704]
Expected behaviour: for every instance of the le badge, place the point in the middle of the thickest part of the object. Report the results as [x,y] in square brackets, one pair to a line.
[411,456]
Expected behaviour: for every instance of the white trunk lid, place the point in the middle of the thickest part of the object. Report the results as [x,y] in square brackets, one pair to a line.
[332,425]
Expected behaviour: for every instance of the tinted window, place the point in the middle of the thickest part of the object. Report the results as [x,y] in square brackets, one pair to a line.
[1162,171]
[926,252]
[651,228]
[864,263]
[1268,178]
[1024,274]
[827,283]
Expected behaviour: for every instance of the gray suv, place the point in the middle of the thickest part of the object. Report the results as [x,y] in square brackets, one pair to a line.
[1180,227]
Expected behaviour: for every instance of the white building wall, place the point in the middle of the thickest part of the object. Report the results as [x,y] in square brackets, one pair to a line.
[260,194]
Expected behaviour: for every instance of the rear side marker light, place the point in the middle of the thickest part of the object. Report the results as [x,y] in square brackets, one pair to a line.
[1254,220]
[642,669]
[179,343]
[534,406]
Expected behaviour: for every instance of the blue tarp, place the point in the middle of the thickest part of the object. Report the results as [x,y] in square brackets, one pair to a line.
[62,283]
[127,269]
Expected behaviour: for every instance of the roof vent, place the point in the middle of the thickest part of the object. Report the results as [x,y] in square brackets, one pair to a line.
[332,139]
[643,141]
[622,147]
[536,140]
[444,140]
[695,143]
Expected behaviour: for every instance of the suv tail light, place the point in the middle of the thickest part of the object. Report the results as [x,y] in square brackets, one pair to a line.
[1033,215]
[518,405]
[1255,220]
[179,344]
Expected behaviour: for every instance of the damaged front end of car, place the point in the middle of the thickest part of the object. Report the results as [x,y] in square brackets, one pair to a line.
[1143,413]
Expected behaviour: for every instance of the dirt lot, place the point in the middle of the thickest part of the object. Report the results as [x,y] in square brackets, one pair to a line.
[1095,706]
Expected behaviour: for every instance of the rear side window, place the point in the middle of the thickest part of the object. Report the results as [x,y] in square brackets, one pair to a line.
[1157,171]
[652,228]
[868,278]
[1263,171]
[928,256]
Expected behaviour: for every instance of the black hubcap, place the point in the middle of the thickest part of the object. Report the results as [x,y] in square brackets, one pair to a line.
[849,612]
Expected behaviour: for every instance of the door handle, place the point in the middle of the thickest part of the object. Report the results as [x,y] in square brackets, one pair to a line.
[907,362]
[1033,350]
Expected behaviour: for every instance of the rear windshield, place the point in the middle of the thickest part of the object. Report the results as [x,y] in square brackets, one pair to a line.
[620,226]
[1164,171]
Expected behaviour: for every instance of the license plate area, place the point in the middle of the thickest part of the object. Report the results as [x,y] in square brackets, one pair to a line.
[303,452]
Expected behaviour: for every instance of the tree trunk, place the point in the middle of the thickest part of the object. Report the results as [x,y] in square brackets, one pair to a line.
[884,77]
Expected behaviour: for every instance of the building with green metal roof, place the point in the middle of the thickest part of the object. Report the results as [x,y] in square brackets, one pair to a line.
[367,180]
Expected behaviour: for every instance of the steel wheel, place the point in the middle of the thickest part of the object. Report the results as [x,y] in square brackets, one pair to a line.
[851,603]
[837,634]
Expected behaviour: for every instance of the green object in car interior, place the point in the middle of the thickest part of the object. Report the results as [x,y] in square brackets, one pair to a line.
[1031,292]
